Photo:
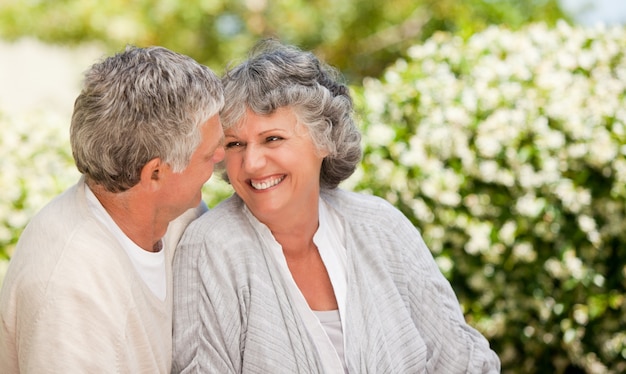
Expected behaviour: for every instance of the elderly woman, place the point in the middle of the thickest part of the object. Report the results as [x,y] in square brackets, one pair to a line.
[294,275]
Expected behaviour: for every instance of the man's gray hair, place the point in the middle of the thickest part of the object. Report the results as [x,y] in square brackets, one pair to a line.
[138,105]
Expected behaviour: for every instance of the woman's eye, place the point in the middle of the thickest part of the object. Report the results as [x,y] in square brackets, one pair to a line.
[273,138]
[230,145]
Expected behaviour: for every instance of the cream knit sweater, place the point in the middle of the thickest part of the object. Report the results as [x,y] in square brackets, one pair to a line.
[72,302]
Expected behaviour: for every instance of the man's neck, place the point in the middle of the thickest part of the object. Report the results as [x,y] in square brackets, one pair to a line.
[134,213]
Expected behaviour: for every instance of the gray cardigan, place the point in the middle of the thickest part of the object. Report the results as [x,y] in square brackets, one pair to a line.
[232,313]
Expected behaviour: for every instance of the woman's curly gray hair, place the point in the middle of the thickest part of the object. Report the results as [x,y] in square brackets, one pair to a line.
[277,76]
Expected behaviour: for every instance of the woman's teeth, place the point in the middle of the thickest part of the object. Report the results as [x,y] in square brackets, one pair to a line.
[266,184]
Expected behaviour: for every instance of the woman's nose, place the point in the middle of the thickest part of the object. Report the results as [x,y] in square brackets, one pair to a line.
[253,158]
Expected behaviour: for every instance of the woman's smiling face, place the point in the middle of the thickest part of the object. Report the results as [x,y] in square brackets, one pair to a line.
[273,164]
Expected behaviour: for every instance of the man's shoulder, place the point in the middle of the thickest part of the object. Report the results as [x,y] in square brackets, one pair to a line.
[68,254]
[64,245]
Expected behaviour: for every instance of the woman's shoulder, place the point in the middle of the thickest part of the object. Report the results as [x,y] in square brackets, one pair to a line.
[221,233]
[228,209]
[227,216]
[369,212]
[349,202]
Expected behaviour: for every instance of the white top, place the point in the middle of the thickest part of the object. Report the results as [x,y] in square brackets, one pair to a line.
[329,240]
[333,253]
[149,265]
[331,322]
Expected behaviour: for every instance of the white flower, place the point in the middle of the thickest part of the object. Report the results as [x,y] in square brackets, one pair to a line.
[574,265]
[380,134]
[529,205]
[602,149]
[586,223]
[507,233]
[444,264]
[479,240]
[524,251]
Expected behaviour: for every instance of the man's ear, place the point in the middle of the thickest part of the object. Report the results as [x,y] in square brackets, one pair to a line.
[152,172]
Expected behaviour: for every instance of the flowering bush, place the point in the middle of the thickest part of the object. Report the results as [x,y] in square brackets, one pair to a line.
[36,165]
[508,152]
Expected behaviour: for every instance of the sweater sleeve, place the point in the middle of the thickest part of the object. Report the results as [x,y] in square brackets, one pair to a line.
[454,346]
[206,330]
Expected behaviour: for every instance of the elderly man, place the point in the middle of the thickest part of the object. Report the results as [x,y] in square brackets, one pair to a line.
[89,286]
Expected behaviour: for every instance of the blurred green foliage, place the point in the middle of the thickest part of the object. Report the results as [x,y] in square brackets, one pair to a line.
[359,37]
